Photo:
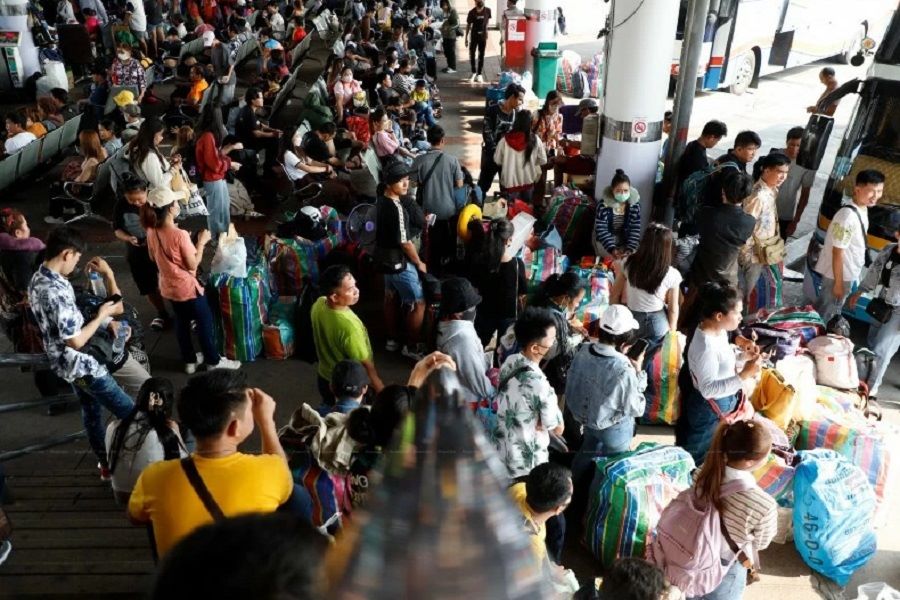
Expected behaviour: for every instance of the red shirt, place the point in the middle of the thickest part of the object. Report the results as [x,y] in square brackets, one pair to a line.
[211,164]
[360,126]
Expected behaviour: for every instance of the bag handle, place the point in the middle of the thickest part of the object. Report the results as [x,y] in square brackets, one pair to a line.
[193,476]
[431,170]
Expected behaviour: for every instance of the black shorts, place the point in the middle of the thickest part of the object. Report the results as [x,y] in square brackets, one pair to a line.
[143,269]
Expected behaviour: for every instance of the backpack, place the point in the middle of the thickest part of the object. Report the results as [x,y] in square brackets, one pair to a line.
[580,85]
[693,191]
[305,346]
[835,363]
[691,542]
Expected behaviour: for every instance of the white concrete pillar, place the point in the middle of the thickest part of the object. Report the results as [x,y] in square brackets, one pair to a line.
[637,79]
[14,17]
[541,19]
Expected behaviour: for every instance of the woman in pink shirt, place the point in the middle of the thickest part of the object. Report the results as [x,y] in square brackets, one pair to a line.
[177,259]
[344,88]
[383,139]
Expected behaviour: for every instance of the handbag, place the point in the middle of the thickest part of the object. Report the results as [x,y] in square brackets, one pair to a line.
[878,308]
[769,251]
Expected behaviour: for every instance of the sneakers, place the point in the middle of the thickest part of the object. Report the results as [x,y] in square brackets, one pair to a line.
[191,368]
[5,549]
[227,363]
[159,324]
[479,78]
[448,70]
[416,353]
[105,475]
[391,346]
[54,220]
[473,78]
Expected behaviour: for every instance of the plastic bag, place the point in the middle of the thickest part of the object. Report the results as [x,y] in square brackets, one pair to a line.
[231,255]
[833,509]
[877,591]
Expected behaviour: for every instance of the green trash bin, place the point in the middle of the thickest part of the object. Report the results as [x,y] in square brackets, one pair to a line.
[546,62]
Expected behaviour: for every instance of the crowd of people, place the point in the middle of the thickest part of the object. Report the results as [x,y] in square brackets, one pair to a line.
[455,297]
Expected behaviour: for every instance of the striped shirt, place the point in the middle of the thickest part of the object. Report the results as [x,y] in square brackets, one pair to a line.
[750,515]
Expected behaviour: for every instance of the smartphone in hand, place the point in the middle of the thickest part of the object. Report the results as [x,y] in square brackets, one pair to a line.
[637,348]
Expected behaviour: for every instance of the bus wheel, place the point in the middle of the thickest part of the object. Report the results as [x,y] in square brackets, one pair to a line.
[745,66]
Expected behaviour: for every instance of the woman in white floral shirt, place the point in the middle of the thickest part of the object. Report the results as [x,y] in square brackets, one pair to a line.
[527,409]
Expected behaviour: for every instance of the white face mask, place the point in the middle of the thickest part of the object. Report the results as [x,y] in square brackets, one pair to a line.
[123,55]
[347,78]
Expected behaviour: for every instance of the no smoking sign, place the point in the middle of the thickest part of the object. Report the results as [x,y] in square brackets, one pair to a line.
[638,128]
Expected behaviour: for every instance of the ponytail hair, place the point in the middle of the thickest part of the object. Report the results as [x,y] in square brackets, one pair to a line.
[742,440]
[152,217]
[155,401]
[488,248]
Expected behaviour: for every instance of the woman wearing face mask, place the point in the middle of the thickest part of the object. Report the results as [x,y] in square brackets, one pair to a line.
[344,88]
[497,274]
[617,228]
[562,294]
[710,380]
[521,156]
[127,71]
[177,259]
[548,127]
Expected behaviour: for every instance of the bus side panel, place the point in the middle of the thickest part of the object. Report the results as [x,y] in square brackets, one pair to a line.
[755,28]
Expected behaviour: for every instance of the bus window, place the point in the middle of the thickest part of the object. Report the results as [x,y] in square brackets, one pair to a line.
[889,51]
[882,138]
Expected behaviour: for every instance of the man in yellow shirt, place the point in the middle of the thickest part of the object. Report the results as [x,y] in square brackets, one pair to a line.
[220,410]
[545,493]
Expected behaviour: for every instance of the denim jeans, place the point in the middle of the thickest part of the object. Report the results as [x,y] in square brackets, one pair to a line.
[218,203]
[652,326]
[299,504]
[828,304]
[731,588]
[426,113]
[405,284]
[606,442]
[196,310]
[96,392]
[697,424]
[884,340]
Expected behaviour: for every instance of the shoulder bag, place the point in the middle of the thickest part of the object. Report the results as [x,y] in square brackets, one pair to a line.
[420,188]
[878,308]
[193,477]
[867,258]
[770,251]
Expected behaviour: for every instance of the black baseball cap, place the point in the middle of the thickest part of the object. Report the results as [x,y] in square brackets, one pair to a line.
[349,378]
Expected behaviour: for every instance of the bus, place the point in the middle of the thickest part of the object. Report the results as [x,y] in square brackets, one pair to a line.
[746,39]
[871,141]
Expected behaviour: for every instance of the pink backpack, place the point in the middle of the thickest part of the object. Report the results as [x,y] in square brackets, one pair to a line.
[690,542]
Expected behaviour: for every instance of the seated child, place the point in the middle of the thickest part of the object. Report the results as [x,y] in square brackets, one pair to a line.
[422,99]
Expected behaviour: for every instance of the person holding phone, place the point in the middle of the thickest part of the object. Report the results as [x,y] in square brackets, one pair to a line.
[65,333]
[605,393]
[177,259]
[710,379]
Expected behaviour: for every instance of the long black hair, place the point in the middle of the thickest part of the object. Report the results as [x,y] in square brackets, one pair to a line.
[153,410]
[211,121]
[487,247]
[647,267]
[142,144]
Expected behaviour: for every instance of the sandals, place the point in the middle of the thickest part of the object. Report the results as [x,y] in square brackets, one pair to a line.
[158,324]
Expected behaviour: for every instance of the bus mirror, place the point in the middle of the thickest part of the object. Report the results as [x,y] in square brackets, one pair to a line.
[814,142]
[858,60]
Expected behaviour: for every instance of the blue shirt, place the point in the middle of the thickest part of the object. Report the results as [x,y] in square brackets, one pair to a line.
[52,301]
[343,406]
[603,388]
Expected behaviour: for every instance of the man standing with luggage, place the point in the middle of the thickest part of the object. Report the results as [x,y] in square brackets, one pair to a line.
[498,120]
[843,255]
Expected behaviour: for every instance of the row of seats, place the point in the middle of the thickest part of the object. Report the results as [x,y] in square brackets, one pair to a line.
[39,152]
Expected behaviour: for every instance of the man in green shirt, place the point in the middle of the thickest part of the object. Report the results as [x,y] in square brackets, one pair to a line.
[337,332]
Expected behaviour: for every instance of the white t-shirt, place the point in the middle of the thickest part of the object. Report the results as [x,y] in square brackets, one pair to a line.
[640,301]
[138,16]
[276,23]
[845,232]
[132,460]
[290,165]
[797,178]
[18,141]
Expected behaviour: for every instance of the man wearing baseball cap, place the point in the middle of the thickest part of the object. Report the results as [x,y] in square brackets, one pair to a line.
[585,163]
[605,393]
[398,259]
[349,384]
[458,339]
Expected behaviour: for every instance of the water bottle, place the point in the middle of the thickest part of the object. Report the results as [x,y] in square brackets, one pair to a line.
[121,336]
[98,288]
